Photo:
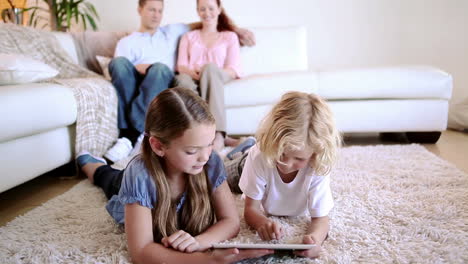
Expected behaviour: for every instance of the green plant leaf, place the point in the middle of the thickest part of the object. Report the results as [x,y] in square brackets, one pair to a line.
[84,21]
[34,8]
[33,15]
[91,22]
[76,14]
[77,3]
[92,9]
[65,11]
[69,14]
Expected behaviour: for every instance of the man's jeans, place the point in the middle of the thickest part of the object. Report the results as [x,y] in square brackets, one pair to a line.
[135,91]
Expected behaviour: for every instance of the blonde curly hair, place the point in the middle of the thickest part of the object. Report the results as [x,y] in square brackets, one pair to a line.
[300,121]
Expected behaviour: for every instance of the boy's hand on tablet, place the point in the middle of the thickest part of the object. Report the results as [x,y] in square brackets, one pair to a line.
[182,241]
[310,253]
[270,230]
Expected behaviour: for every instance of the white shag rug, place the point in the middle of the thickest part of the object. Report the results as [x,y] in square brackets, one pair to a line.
[393,204]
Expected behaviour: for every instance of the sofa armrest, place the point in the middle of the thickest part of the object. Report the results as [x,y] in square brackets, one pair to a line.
[28,109]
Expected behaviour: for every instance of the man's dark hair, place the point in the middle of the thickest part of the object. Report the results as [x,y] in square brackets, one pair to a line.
[141,3]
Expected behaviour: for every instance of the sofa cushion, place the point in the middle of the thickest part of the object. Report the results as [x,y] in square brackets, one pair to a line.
[279,49]
[267,88]
[33,108]
[17,68]
[90,44]
[415,82]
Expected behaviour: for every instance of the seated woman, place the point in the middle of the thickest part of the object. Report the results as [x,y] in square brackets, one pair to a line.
[208,58]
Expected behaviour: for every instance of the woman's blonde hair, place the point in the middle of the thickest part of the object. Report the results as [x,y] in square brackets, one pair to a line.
[169,115]
[300,121]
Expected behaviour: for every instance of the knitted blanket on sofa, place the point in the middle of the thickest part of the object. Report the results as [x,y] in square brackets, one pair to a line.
[96,122]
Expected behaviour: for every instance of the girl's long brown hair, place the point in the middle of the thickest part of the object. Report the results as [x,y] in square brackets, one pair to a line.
[169,115]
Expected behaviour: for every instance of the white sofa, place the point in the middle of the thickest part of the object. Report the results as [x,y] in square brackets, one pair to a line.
[387,99]
[37,127]
[37,120]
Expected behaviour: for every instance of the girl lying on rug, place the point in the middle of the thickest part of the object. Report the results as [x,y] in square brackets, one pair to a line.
[286,171]
[173,198]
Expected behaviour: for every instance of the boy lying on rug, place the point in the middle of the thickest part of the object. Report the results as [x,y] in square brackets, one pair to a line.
[286,171]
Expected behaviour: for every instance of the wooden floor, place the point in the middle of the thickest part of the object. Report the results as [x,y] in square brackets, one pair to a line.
[452,146]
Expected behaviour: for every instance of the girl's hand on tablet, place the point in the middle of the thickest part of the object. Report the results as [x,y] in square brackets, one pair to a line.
[182,241]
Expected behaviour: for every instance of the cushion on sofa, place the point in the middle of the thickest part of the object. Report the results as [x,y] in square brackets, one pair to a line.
[279,49]
[267,88]
[405,82]
[17,68]
[90,44]
[33,108]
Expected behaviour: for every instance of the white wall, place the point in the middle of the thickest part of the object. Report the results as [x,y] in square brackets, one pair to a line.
[343,33]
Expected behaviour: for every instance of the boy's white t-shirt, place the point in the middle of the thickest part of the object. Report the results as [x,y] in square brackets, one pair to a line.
[306,193]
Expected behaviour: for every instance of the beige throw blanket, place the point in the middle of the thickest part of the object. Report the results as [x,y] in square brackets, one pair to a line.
[96,123]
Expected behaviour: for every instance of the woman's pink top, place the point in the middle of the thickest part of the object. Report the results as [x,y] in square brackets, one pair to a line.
[225,52]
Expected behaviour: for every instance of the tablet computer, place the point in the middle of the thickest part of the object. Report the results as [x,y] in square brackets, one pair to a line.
[265,246]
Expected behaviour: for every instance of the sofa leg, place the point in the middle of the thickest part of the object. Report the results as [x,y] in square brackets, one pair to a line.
[65,172]
[395,137]
[423,137]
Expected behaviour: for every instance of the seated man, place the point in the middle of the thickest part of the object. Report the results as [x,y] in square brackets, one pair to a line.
[143,67]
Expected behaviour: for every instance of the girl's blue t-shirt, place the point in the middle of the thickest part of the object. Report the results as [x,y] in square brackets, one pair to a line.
[139,187]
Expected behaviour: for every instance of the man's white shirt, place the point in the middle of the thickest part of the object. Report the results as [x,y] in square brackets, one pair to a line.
[144,48]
